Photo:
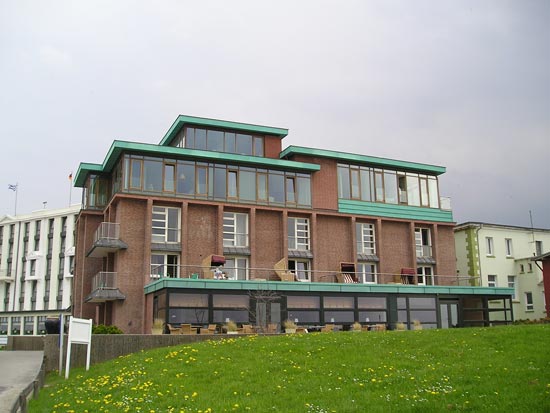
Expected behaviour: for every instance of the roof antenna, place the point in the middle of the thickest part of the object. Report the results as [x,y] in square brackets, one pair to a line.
[44,203]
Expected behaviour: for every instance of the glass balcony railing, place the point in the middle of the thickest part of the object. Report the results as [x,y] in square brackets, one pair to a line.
[107,231]
[104,280]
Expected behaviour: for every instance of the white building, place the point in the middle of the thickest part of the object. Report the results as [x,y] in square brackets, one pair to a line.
[500,256]
[36,269]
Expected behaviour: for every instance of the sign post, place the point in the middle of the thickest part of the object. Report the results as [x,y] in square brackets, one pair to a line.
[80,332]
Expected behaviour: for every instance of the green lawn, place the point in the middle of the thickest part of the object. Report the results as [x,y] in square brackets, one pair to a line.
[499,369]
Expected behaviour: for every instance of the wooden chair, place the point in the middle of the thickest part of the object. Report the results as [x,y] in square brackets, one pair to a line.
[248,329]
[187,329]
[272,328]
[281,269]
[211,329]
[210,261]
[173,330]
[327,328]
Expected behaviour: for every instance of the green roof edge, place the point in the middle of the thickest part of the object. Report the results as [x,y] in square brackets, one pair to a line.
[365,159]
[193,120]
[117,147]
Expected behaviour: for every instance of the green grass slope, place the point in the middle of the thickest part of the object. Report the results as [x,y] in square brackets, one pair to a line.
[500,369]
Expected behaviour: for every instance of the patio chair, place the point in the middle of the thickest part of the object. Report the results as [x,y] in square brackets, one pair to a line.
[272,328]
[211,329]
[248,329]
[173,330]
[327,328]
[281,269]
[187,329]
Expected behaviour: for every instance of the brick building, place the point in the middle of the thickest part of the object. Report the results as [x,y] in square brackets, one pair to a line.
[205,225]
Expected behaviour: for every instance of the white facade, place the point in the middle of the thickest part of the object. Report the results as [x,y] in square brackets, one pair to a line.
[500,256]
[36,268]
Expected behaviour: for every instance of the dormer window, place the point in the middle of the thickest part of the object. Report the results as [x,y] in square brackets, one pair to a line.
[221,141]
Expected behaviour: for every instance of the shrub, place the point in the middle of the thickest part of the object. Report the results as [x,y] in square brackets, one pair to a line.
[103,329]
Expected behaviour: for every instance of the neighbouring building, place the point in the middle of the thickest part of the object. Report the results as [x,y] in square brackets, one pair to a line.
[36,269]
[217,222]
[502,256]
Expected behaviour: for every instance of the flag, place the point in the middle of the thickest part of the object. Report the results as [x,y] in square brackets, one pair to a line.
[12,187]
[71,176]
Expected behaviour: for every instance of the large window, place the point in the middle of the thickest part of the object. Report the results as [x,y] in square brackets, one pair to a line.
[232,183]
[301,268]
[164,265]
[166,224]
[298,234]
[423,242]
[491,280]
[366,272]
[365,238]
[382,185]
[529,306]
[235,229]
[221,141]
[236,268]
[424,275]
[508,246]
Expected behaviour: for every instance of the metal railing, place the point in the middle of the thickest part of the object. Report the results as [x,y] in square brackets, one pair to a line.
[251,274]
[104,280]
[107,230]
[424,251]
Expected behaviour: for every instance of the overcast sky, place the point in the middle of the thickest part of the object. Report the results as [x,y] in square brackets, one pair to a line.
[462,84]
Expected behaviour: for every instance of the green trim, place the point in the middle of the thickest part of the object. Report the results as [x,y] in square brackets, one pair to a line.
[118,147]
[363,159]
[348,206]
[321,287]
[223,124]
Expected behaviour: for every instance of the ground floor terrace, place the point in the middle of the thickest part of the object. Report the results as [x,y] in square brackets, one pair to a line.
[202,303]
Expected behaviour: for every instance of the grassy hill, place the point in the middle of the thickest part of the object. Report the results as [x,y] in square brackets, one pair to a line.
[500,369]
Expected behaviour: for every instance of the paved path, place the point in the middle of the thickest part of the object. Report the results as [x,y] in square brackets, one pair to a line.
[18,369]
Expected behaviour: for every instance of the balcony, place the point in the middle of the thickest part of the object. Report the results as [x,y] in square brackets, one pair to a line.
[424,254]
[106,240]
[104,288]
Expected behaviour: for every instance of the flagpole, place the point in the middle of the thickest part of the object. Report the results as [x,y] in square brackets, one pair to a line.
[70,187]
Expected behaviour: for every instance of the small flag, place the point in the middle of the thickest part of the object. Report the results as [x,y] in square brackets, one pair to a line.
[71,176]
[12,187]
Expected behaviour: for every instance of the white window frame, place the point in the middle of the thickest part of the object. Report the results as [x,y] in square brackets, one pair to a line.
[425,275]
[538,248]
[367,272]
[423,242]
[235,229]
[160,269]
[366,238]
[301,268]
[512,284]
[491,280]
[299,238]
[164,229]
[236,268]
[489,246]
[509,247]
[529,305]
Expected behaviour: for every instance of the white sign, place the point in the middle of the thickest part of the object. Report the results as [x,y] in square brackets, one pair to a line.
[80,332]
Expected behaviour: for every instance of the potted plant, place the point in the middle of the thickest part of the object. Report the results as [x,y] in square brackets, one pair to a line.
[231,327]
[400,326]
[290,326]
[356,326]
[157,326]
[417,325]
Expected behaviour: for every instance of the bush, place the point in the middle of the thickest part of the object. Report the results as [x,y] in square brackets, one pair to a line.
[103,329]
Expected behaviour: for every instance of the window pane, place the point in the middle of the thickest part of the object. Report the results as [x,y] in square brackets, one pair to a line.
[338,302]
[247,186]
[290,190]
[304,191]
[169,177]
[215,141]
[339,317]
[366,185]
[390,187]
[200,138]
[258,146]
[238,316]
[304,316]
[302,301]
[231,184]
[372,316]
[188,316]
[402,188]
[190,138]
[244,144]
[413,191]
[427,302]
[276,188]
[379,187]
[188,300]
[354,183]
[371,302]
[201,180]
[229,142]
[219,183]
[186,179]
[228,300]
[424,192]
[434,194]
[262,187]
[343,182]
[136,174]
[153,176]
